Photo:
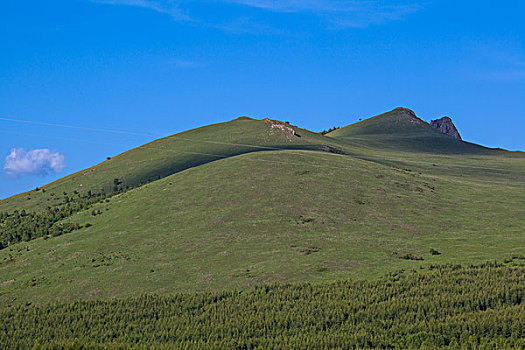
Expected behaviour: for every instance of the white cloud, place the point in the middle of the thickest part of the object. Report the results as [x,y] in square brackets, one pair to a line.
[343,13]
[37,161]
[338,13]
[331,6]
[168,7]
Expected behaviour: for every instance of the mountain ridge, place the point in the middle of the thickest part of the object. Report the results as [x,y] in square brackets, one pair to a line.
[400,129]
[168,155]
[245,202]
[415,137]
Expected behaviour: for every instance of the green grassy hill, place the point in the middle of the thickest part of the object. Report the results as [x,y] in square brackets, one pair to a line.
[225,215]
[230,214]
[170,155]
[400,129]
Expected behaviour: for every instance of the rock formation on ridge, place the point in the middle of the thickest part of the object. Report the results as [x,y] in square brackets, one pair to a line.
[446,126]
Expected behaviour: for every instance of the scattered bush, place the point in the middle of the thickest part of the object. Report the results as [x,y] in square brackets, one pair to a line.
[434,252]
[63,228]
[410,256]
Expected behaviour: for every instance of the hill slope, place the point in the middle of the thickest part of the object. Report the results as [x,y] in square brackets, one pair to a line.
[265,217]
[401,130]
[214,212]
[170,155]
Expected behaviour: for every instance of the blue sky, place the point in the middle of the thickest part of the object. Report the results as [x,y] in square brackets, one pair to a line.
[154,68]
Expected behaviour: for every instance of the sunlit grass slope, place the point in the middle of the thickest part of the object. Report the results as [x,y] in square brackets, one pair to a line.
[169,155]
[276,216]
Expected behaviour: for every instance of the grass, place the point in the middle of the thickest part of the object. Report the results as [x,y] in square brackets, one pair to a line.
[224,215]
[168,156]
[400,129]
[249,220]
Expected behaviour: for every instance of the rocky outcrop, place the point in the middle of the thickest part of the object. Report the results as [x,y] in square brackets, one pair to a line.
[282,127]
[446,126]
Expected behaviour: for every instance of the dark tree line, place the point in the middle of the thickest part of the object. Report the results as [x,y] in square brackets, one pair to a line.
[19,226]
[24,226]
[472,307]
[324,132]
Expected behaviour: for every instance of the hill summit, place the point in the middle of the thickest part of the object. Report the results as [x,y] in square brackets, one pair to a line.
[401,130]
[400,121]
